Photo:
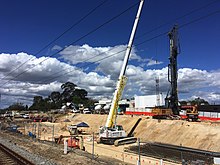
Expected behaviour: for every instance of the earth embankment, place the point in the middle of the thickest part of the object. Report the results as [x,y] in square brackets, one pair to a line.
[200,135]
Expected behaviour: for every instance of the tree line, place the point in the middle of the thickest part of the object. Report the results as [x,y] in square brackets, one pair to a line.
[70,93]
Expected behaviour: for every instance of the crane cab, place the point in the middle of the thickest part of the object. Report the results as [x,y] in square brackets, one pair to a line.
[109,135]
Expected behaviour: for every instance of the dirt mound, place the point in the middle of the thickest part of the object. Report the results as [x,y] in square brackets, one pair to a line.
[200,135]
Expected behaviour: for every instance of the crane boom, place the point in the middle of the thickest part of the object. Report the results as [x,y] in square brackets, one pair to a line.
[122,79]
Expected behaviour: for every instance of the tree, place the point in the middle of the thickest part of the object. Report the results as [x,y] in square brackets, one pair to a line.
[40,104]
[55,96]
[68,91]
[196,101]
[199,101]
[38,99]
[81,93]
[55,100]
[17,106]
[183,102]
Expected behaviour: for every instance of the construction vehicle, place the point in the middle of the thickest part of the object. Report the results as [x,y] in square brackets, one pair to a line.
[192,113]
[112,133]
[74,140]
[171,100]
[171,109]
[162,113]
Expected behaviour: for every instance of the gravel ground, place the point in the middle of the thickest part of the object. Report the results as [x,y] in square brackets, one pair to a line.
[44,153]
[35,158]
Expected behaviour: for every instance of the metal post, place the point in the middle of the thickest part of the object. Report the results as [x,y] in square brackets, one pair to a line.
[24,128]
[38,131]
[123,153]
[53,135]
[182,160]
[35,131]
[71,142]
[139,153]
[93,146]
[65,146]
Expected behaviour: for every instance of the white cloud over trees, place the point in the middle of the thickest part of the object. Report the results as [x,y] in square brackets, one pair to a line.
[41,78]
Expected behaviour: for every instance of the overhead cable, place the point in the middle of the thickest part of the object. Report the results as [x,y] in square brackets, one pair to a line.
[90,32]
[58,37]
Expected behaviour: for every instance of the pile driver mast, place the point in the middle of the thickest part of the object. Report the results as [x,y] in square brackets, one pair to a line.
[171,100]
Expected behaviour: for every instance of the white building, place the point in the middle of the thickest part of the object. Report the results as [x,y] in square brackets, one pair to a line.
[148,101]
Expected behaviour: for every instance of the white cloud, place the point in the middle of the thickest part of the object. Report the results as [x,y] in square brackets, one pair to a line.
[41,80]
[153,62]
[108,59]
[56,47]
[48,76]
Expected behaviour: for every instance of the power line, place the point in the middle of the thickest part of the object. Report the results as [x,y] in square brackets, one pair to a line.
[150,39]
[200,18]
[86,65]
[86,60]
[157,36]
[58,37]
[178,18]
[90,32]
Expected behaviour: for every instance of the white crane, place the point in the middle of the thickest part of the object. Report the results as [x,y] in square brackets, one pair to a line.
[111,131]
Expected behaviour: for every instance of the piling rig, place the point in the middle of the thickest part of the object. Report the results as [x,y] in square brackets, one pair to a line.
[171,100]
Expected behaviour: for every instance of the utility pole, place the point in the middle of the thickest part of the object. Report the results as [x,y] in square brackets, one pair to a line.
[172,99]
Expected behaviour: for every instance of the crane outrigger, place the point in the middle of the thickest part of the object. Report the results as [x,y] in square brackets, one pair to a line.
[112,133]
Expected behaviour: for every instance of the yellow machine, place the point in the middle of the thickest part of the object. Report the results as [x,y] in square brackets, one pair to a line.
[161,113]
[192,113]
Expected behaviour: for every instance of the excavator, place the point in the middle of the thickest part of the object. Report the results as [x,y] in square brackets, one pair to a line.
[192,113]
[112,133]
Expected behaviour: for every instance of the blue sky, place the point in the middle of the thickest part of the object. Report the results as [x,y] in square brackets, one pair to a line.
[27,26]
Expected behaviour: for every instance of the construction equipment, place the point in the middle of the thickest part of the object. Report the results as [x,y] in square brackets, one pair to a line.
[76,142]
[171,100]
[74,139]
[162,113]
[192,113]
[171,109]
[111,132]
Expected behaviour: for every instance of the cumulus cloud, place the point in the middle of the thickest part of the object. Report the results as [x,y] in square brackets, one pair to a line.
[56,47]
[44,75]
[107,59]
[41,78]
